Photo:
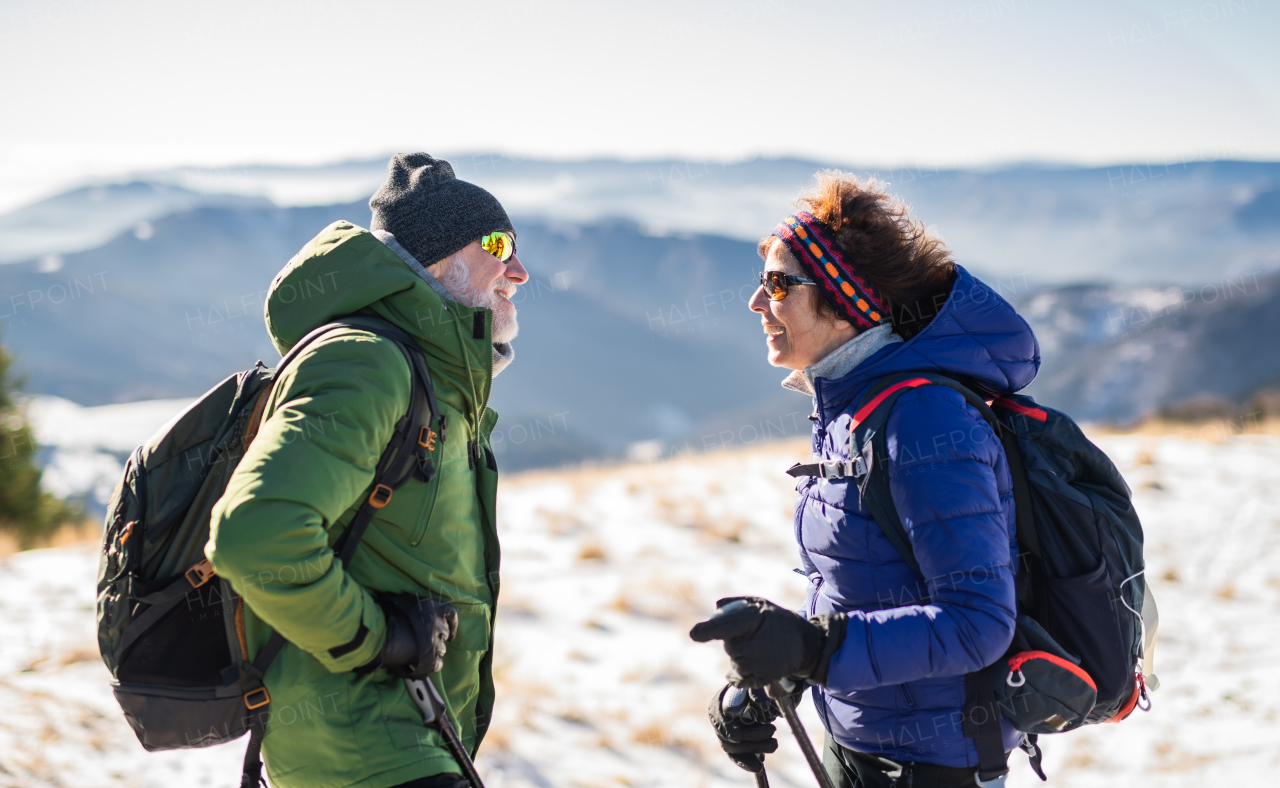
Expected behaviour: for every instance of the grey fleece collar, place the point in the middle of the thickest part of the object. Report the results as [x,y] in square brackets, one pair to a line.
[842,360]
[503,352]
[503,355]
[411,261]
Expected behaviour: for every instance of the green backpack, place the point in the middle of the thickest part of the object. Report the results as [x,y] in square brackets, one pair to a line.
[169,629]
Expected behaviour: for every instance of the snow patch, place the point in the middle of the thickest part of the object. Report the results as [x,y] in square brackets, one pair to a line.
[603,573]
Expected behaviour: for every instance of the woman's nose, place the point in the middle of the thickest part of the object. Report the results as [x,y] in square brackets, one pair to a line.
[759,301]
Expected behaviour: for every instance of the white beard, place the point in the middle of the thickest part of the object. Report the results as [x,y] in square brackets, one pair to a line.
[456,278]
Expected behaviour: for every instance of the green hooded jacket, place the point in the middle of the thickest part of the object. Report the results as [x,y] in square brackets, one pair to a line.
[326,422]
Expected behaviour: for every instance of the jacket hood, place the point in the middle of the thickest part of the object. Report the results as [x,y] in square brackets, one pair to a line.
[976,337]
[346,270]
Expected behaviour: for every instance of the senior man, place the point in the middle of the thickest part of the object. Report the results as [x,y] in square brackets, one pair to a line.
[439,264]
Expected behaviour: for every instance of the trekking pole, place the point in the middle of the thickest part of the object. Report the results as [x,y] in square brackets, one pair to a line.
[434,713]
[780,691]
[736,704]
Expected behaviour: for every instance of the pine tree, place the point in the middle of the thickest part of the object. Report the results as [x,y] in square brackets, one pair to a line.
[26,510]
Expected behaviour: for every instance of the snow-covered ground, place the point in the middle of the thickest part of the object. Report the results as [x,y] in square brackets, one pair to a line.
[604,572]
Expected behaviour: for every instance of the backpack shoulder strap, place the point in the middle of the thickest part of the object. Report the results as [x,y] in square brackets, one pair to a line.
[867,438]
[868,453]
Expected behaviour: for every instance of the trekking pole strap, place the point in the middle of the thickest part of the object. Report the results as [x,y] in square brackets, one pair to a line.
[1031,746]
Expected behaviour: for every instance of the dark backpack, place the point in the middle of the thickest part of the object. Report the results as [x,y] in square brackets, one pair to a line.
[169,629]
[1076,656]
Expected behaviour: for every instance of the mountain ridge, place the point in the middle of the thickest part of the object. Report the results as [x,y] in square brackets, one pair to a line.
[630,334]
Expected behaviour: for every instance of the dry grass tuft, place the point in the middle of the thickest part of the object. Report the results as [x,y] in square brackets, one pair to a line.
[592,550]
[1081,757]
[657,598]
[729,529]
[513,605]
[497,739]
[560,523]
[577,716]
[654,735]
[1169,758]
[83,532]
[8,544]
[78,655]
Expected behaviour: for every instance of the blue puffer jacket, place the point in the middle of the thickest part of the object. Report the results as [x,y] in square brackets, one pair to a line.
[896,686]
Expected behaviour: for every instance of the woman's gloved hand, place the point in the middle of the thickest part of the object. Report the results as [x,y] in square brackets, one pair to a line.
[417,630]
[743,722]
[767,642]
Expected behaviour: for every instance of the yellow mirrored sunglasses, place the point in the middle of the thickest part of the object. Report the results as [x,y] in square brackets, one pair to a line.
[499,244]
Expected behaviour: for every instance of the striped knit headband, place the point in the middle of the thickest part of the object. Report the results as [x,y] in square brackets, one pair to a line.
[816,249]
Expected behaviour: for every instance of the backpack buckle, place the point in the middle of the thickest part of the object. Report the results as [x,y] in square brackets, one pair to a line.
[427,438]
[833,469]
[995,782]
[257,698]
[381,496]
[200,574]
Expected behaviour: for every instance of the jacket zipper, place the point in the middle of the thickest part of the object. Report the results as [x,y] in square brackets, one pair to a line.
[817,581]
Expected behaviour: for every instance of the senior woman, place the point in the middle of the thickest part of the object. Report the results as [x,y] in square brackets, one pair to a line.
[855,290]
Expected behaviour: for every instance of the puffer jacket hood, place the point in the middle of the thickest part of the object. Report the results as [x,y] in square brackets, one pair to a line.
[976,337]
[345,270]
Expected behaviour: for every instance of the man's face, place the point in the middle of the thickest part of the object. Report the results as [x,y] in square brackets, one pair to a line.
[478,279]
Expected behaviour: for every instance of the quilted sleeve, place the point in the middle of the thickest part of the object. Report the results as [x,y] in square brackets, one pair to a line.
[951,486]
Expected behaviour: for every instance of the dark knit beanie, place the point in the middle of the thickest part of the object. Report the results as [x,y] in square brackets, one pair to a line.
[429,211]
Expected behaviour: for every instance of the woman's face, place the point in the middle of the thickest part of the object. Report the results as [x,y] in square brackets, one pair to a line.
[795,334]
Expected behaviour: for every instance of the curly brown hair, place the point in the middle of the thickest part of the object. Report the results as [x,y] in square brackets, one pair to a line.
[912,269]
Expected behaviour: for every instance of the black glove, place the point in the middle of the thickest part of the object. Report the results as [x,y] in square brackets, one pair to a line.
[417,630]
[742,720]
[766,642]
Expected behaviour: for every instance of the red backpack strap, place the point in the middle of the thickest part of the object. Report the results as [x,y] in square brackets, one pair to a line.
[867,409]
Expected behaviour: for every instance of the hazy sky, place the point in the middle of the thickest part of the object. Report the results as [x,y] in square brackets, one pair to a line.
[98,87]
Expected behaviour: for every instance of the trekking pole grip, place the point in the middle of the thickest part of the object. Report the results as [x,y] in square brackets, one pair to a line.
[781,691]
[435,713]
[734,702]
